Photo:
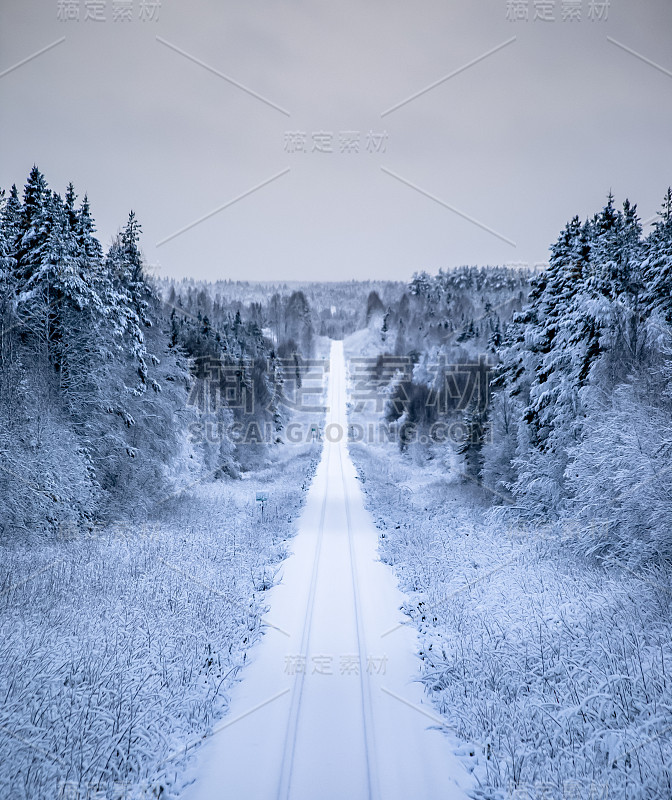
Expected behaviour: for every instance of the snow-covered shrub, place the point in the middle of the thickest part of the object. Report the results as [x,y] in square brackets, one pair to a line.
[621,478]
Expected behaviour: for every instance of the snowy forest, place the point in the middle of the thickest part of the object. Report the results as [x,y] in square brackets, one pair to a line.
[576,358]
[512,434]
[103,385]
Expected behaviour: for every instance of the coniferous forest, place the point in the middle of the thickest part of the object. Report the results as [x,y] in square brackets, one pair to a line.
[101,383]
[507,405]
[576,419]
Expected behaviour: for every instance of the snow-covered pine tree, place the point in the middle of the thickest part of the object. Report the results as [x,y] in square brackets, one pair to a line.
[657,264]
[132,297]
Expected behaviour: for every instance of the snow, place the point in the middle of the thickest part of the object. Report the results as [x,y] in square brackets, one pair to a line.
[537,629]
[136,628]
[553,669]
[330,705]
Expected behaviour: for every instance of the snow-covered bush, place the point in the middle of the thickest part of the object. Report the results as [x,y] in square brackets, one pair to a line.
[620,476]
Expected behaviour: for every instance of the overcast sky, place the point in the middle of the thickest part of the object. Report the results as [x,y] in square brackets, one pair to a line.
[540,121]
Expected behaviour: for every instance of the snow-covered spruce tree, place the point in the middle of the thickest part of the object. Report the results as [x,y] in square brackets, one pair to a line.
[374,307]
[8,234]
[132,297]
[587,364]
[33,225]
[75,439]
[474,390]
[298,323]
[619,473]
[474,439]
[400,346]
[499,451]
[657,264]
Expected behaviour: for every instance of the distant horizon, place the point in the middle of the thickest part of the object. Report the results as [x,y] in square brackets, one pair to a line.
[309,281]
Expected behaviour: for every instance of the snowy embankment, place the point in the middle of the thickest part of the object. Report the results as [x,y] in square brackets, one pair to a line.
[118,649]
[562,674]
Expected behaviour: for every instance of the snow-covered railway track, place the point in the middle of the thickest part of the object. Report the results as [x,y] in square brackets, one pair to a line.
[367,709]
[285,782]
[294,720]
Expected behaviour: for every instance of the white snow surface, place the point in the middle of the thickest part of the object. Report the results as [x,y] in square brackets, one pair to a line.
[329,706]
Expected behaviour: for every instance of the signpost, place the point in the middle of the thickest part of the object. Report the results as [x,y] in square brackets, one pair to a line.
[262,498]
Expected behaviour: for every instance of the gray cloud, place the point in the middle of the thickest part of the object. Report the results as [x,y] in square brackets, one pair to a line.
[520,141]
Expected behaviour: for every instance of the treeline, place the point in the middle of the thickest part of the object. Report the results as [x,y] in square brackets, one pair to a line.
[558,384]
[439,344]
[335,308]
[582,415]
[463,309]
[102,385]
[248,365]
[286,320]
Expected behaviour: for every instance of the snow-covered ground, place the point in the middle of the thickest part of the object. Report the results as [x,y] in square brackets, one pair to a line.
[413,647]
[557,673]
[328,707]
[118,650]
